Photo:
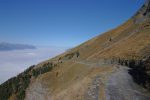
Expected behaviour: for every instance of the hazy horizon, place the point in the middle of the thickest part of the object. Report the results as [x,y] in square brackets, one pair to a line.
[16,61]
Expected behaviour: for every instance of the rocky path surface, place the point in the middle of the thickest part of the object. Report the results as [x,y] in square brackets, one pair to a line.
[37,92]
[109,85]
[93,91]
[120,86]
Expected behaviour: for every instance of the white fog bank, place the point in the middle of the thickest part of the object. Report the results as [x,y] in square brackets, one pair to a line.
[14,62]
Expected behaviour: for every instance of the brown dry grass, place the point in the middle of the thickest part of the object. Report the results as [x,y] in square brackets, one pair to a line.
[69,80]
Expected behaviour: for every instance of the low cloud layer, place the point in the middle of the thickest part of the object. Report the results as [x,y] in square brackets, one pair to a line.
[14,62]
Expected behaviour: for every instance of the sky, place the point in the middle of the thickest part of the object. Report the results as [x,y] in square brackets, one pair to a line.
[62,23]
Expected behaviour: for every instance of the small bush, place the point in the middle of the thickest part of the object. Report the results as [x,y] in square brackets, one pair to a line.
[44,69]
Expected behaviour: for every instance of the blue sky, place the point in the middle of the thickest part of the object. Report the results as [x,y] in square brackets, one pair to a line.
[64,23]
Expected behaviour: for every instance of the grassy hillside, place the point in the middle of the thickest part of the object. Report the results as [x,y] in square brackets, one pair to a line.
[83,72]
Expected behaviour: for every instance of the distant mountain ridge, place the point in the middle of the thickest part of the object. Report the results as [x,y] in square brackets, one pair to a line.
[10,46]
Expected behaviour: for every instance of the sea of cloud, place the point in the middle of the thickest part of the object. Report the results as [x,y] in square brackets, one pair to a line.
[14,62]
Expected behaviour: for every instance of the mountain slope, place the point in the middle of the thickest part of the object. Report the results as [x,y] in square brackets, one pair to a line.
[95,70]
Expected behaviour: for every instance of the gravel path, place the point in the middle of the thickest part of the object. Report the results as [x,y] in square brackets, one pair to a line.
[37,92]
[93,91]
[120,86]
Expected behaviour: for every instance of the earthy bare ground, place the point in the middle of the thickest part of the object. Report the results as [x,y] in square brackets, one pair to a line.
[120,86]
[37,92]
[98,84]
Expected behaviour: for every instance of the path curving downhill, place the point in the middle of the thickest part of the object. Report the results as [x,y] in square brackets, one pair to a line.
[120,86]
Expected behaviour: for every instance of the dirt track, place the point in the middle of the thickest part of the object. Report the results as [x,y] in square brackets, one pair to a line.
[120,86]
